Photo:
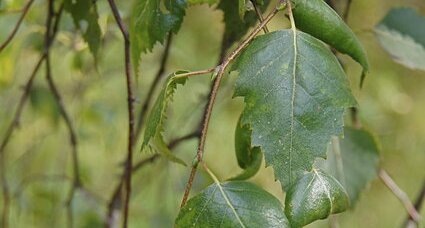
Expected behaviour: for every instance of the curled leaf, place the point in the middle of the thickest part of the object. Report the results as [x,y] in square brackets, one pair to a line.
[249,158]
[315,196]
[157,116]
[321,21]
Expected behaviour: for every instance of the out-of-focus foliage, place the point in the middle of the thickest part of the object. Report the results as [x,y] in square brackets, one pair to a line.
[85,16]
[402,34]
[353,160]
[391,104]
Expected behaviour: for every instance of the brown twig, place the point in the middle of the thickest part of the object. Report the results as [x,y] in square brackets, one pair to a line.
[154,85]
[400,194]
[76,183]
[222,67]
[18,24]
[130,107]
[51,29]
[259,15]
[418,205]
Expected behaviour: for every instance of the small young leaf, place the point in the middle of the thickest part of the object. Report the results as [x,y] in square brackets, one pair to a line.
[321,21]
[85,16]
[295,94]
[402,34]
[149,24]
[235,27]
[155,121]
[232,204]
[354,162]
[249,158]
[315,196]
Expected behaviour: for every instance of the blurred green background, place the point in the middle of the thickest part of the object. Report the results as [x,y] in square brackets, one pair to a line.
[392,105]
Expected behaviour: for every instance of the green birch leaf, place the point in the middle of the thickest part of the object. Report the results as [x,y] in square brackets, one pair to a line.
[353,160]
[295,93]
[155,121]
[315,196]
[321,21]
[402,34]
[85,17]
[149,24]
[232,204]
[249,158]
[235,27]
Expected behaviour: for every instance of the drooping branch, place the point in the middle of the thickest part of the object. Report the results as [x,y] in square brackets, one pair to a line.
[76,183]
[221,70]
[400,194]
[18,24]
[130,108]
[51,30]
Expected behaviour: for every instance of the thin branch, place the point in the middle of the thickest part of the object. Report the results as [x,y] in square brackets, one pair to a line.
[154,85]
[18,24]
[76,183]
[389,182]
[418,205]
[171,145]
[222,67]
[130,107]
[177,141]
[51,29]
[115,202]
[259,15]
